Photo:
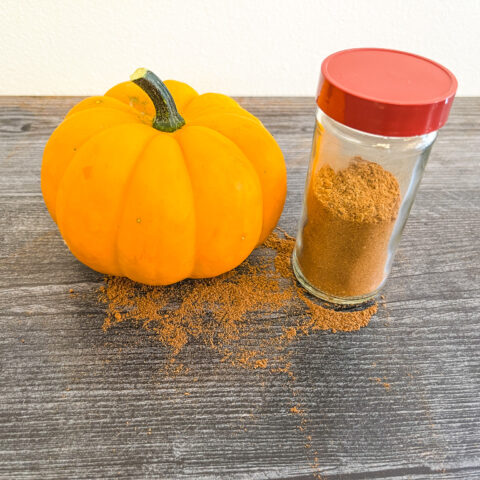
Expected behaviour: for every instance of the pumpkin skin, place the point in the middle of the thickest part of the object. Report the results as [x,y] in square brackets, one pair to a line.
[159,207]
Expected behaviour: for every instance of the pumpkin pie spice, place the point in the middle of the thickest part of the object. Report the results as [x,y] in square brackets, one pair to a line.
[230,313]
[218,311]
[350,215]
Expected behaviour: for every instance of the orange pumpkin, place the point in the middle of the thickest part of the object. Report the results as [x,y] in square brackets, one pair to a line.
[141,190]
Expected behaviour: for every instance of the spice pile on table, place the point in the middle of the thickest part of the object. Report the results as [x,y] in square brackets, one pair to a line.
[218,311]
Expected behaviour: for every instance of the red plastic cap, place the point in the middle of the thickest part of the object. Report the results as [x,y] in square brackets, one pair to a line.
[386,92]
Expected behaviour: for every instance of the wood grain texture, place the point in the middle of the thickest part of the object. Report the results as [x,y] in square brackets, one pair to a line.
[80,403]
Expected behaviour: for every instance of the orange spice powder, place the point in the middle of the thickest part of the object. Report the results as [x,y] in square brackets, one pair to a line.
[237,316]
[350,215]
[220,312]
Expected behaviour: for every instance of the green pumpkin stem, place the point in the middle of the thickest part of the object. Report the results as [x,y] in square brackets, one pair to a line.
[167,118]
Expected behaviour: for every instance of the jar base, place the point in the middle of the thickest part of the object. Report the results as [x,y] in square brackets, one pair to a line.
[327,297]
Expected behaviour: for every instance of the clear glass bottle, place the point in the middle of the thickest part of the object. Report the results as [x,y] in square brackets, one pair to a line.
[364,173]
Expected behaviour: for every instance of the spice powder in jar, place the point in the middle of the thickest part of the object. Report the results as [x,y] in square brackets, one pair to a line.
[350,215]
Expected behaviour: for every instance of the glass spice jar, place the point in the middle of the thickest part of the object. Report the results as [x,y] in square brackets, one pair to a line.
[377,119]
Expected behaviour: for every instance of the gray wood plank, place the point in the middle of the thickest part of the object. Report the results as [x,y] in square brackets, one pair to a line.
[80,403]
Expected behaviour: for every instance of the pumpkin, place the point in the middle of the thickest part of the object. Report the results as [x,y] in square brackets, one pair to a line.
[157,183]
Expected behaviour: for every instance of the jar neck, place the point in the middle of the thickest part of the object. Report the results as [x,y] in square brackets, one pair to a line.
[419,142]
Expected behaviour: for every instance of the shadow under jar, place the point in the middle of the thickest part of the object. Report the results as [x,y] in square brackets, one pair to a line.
[377,119]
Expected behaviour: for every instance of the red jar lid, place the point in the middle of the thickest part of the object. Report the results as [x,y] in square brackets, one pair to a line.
[386,92]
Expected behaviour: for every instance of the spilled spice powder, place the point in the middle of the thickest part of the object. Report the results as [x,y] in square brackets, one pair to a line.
[248,317]
[215,311]
[386,385]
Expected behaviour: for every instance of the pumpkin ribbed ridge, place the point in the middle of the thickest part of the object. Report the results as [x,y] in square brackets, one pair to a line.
[123,198]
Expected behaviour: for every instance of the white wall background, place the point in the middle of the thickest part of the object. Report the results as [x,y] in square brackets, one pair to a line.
[238,47]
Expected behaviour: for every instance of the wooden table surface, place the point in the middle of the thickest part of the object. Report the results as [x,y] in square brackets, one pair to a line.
[76,402]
